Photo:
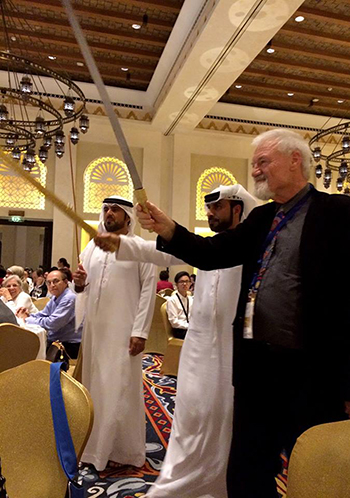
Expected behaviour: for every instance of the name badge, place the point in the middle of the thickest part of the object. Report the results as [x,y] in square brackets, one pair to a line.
[248,318]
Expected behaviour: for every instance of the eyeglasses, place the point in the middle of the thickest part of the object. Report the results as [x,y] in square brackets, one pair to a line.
[55,281]
[183,282]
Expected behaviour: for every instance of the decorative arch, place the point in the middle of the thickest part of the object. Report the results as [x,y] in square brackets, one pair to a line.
[210,178]
[104,177]
[15,191]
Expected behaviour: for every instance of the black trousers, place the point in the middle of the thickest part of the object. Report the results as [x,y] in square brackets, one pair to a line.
[277,397]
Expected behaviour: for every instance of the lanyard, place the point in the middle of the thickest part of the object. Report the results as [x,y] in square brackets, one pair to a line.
[272,235]
[183,307]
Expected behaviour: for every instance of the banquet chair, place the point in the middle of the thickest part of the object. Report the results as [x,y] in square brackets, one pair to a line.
[17,346]
[157,339]
[172,353]
[41,302]
[320,462]
[30,463]
[166,292]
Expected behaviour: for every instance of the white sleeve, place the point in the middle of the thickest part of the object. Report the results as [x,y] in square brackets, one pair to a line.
[144,315]
[138,249]
[176,316]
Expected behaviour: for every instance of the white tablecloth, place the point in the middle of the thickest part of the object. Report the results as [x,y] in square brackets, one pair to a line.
[41,333]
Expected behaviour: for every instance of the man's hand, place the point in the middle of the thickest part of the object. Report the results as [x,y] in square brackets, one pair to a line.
[108,242]
[5,293]
[79,278]
[156,220]
[136,345]
[22,313]
[347,408]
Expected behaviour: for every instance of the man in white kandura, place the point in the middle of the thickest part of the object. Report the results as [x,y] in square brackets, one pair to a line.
[199,445]
[118,301]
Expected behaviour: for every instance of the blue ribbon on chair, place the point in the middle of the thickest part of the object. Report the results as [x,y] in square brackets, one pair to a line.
[64,442]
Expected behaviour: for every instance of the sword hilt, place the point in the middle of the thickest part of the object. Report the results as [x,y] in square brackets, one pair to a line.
[141,197]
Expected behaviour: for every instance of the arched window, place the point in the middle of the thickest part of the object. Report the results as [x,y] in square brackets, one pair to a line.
[210,178]
[104,177]
[16,192]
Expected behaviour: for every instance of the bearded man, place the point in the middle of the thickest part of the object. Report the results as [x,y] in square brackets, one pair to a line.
[197,455]
[118,301]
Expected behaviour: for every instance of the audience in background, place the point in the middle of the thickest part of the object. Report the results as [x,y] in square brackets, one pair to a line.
[14,297]
[19,271]
[179,305]
[163,282]
[58,316]
[40,287]
[193,282]
[2,274]
[62,263]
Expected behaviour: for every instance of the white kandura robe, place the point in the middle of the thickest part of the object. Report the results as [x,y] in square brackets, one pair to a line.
[197,456]
[119,303]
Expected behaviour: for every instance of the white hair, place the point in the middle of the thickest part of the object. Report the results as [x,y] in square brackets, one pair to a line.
[288,141]
[12,277]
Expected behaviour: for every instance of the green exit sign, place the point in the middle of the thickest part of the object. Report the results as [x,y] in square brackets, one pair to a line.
[16,219]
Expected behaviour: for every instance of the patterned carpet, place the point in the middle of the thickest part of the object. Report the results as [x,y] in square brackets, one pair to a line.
[159,392]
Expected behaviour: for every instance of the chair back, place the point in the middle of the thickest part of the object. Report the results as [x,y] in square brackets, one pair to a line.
[41,302]
[167,325]
[157,338]
[17,346]
[29,458]
[320,462]
[166,292]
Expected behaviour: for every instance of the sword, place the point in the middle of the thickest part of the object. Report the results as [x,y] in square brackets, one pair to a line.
[139,191]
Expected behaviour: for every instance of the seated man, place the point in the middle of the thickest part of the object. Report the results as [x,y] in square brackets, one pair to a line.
[58,316]
[40,288]
[179,305]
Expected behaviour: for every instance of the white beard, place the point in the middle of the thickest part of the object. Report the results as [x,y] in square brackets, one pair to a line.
[262,191]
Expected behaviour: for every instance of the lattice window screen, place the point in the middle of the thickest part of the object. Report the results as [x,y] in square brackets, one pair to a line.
[16,192]
[210,178]
[104,177]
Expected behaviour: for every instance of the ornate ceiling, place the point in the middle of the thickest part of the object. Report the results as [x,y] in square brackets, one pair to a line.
[308,72]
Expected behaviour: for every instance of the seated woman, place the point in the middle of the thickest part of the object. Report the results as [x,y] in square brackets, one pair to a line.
[19,271]
[12,294]
[40,288]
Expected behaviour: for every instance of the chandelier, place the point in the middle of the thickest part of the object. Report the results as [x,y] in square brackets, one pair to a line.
[29,123]
[337,161]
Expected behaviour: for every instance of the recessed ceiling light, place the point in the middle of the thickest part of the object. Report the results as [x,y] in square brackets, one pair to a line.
[13,38]
[329,88]
[315,100]
[299,19]
[136,25]
[238,86]
[124,68]
[290,94]
[80,64]
[340,101]
[52,57]
[270,50]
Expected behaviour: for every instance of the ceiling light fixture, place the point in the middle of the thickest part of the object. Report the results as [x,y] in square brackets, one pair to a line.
[315,100]
[136,26]
[80,64]
[29,123]
[290,94]
[52,57]
[341,101]
[238,86]
[269,48]
[124,68]
[299,19]
[337,160]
